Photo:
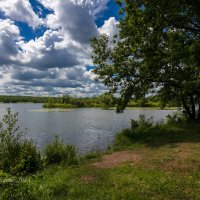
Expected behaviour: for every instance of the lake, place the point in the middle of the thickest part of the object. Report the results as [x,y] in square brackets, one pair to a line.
[89,129]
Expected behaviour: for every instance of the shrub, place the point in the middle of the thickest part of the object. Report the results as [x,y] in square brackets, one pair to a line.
[134,124]
[16,155]
[57,152]
[175,118]
[29,159]
[141,124]
[144,123]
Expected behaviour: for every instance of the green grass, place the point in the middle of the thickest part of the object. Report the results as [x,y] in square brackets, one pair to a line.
[123,182]
[168,167]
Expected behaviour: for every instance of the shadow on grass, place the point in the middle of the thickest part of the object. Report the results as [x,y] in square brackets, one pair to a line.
[161,135]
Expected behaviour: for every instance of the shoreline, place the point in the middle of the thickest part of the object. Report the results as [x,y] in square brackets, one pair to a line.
[151,163]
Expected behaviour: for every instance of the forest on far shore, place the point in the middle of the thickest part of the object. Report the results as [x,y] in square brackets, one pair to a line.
[103,100]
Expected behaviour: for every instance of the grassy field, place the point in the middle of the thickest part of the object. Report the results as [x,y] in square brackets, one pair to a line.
[156,163]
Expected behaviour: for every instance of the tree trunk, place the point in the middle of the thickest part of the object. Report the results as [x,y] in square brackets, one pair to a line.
[198,115]
[193,107]
[187,109]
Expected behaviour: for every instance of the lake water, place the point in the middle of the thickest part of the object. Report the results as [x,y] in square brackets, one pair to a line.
[89,129]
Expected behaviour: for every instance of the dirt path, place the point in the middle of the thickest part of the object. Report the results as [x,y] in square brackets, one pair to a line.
[117,158]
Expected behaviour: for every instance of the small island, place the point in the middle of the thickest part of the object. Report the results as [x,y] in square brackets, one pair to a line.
[107,101]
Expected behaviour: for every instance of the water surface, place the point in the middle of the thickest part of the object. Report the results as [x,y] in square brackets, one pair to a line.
[89,129]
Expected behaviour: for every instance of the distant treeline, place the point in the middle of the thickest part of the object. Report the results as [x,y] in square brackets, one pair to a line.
[103,101]
[22,99]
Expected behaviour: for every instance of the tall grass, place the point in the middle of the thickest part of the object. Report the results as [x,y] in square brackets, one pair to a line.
[176,128]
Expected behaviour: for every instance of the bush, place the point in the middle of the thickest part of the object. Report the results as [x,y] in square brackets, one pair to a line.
[57,152]
[17,156]
[29,159]
[142,124]
[175,118]
[134,124]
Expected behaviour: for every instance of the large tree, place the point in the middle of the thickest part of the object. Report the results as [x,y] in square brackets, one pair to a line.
[157,51]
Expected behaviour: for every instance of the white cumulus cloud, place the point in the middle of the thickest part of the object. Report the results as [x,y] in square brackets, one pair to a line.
[110,27]
[9,36]
[20,10]
[55,62]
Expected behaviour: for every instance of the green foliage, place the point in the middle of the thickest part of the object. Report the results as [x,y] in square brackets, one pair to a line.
[156,53]
[134,124]
[176,129]
[103,101]
[29,159]
[58,105]
[144,123]
[57,152]
[139,129]
[17,156]
[175,118]
[22,99]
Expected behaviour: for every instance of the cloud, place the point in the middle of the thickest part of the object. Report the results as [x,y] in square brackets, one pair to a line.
[73,17]
[61,83]
[27,74]
[110,27]
[46,52]
[20,10]
[9,36]
[55,62]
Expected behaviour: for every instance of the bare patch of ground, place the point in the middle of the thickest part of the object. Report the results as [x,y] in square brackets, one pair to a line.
[117,158]
[182,157]
[185,158]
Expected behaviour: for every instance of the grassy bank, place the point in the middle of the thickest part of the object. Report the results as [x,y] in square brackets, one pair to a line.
[147,162]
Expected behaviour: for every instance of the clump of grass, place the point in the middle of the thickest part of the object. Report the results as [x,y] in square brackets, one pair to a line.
[16,188]
[57,152]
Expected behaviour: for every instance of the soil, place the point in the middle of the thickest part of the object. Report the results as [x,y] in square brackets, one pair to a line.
[117,158]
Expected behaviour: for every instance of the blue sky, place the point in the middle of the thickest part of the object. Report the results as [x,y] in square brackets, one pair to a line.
[44,45]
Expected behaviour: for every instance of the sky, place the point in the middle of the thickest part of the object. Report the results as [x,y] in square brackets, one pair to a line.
[44,45]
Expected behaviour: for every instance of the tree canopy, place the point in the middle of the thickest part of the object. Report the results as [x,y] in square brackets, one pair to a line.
[157,52]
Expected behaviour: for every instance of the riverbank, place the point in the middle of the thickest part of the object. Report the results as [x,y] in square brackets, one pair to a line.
[150,163]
